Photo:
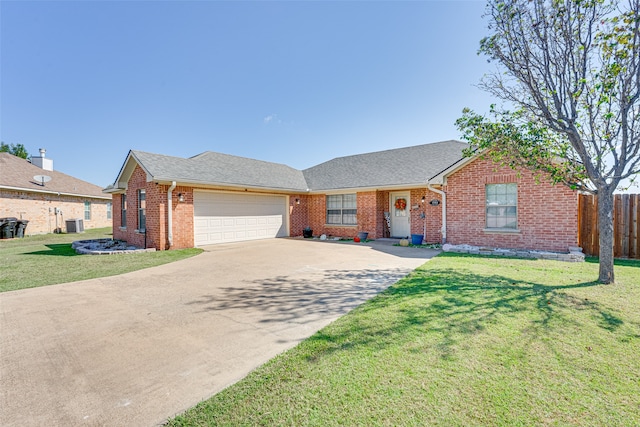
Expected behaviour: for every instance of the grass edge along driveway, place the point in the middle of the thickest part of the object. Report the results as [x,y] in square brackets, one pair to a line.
[48,259]
[462,341]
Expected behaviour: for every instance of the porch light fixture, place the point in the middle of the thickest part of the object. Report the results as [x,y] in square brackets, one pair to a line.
[180,197]
[297,201]
[422,200]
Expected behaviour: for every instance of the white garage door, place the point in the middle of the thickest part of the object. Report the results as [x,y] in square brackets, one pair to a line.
[229,217]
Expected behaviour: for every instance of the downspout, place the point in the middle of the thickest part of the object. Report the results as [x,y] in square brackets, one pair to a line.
[170,213]
[444,210]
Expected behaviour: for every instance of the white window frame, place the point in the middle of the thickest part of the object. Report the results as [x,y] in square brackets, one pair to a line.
[142,209]
[87,211]
[501,207]
[123,211]
[341,209]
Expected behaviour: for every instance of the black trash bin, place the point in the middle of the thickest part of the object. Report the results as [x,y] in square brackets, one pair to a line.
[8,229]
[20,227]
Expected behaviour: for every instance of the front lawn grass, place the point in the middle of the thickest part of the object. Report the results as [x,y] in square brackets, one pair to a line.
[48,259]
[463,341]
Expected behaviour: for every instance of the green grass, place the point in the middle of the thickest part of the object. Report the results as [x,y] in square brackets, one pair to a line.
[463,341]
[48,259]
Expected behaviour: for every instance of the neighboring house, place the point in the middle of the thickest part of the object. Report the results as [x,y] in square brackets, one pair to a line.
[48,205]
[431,190]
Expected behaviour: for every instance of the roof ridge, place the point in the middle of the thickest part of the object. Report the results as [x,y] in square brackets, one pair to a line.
[389,150]
[204,153]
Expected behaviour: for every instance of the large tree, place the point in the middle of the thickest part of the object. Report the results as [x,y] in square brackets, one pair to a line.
[568,76]
[15,149]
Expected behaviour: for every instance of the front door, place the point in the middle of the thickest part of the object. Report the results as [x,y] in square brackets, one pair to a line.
[400,215]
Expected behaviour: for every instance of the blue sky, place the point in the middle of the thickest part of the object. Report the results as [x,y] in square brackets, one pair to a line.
[294,82]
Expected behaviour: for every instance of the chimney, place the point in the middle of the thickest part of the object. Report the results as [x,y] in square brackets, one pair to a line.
[42,162]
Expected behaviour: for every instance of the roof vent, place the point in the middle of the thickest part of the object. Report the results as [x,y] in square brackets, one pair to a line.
[42,162]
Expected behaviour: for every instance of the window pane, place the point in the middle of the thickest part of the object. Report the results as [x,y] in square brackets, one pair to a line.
[349,216]
[123,216]
[87,211]
[142,204]
[501,207]
[341,209]
[333,216]
[334,202]
[348,201]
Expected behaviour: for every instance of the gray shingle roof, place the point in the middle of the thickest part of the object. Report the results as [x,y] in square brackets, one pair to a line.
[218,168]
[18,173]
[408,166]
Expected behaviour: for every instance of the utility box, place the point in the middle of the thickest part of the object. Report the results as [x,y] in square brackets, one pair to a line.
[75,225]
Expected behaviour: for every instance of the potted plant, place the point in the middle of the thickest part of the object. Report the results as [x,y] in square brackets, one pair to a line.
[307,232]
[363,235]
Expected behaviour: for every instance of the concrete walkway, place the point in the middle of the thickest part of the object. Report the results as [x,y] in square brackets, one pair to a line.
[138,348]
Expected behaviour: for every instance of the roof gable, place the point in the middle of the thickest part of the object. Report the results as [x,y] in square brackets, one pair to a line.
[17,174]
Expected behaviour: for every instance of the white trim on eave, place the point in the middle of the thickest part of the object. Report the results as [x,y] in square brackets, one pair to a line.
[440,177]
[204,185]
[365,189]
[126,171]
[56,193]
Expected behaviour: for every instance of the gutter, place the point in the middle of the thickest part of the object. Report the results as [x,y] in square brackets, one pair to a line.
[444,210]
[170,213]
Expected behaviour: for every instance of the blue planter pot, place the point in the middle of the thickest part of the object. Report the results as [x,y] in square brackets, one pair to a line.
[363,235]
[416,239]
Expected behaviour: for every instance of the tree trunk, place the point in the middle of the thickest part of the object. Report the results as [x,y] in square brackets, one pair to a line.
[605,229]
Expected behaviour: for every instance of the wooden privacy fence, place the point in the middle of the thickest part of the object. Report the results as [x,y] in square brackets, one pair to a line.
[626,222]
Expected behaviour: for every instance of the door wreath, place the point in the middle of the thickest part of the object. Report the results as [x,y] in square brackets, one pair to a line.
[401,204]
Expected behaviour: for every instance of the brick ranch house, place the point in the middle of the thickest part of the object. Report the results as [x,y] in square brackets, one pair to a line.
[431,189]
[48,205]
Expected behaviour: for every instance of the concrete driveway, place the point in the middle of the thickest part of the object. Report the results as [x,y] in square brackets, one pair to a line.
[138,348]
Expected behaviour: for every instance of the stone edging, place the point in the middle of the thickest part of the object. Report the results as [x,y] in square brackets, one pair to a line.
[106,247]
[575,253]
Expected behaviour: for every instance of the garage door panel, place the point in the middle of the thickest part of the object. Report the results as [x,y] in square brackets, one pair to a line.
[226,217]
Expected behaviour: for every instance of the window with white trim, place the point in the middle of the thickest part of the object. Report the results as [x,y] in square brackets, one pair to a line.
[142,210]
[342,209]
[87,211]
[109,209]
[123,210]
[502,206]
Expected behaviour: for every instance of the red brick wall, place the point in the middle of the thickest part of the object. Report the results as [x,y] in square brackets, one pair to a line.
[547,214]
[118,232]
[371,207]
[367,204]
[130,233]
[382,206]
[432,221]
[299,213]
[318,217]
[182,217]
[156,213]
[39,210]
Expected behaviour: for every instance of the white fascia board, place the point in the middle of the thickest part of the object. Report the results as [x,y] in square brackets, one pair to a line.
[441,177]
[224,185]
[366,189]
[56,193]
[127,169]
